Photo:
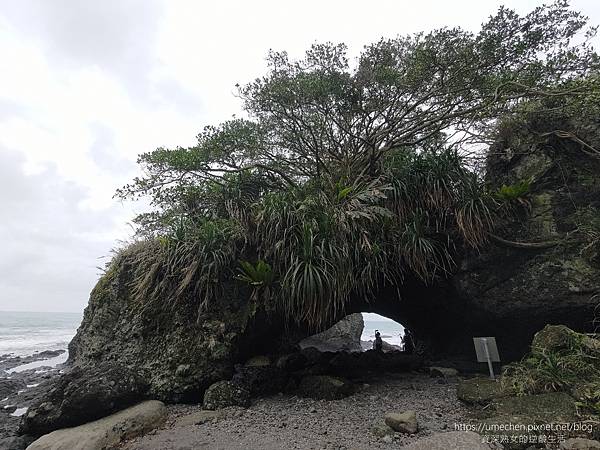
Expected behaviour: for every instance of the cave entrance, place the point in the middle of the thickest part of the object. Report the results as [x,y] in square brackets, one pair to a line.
[392,333]
[356,333]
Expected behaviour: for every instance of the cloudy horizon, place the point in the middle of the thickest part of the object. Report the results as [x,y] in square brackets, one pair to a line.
[87,86]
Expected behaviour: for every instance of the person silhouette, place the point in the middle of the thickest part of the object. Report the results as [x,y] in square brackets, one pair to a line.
[378,345]
[409,345]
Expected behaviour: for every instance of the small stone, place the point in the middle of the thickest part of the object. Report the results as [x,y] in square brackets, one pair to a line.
[405,422]
[387,439]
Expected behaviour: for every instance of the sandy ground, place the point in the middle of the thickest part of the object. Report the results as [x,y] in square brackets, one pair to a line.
[290,422]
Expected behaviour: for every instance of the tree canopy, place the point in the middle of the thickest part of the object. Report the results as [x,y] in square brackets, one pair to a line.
[343,176]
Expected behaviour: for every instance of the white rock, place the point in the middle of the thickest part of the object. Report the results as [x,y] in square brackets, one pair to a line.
[404,423]
[106,432]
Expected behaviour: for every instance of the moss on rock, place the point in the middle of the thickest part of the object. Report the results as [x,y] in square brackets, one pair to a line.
[479,391]
[223,394]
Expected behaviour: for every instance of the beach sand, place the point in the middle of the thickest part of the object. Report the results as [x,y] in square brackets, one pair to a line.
[290,422]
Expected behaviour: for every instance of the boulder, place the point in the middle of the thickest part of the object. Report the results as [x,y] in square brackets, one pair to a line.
[344,336]
[324,387]
[479,391]
[82,395]
[261,379]
[554,338]
[107,432]
[178,349]
[405,422]
[226,393]
[454,440]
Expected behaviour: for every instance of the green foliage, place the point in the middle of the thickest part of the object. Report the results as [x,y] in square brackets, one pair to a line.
[573,368]
[345,177]
[513,192]
[259,275]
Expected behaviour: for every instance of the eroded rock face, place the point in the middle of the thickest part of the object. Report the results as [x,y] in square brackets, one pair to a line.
[523,289]
[344,336]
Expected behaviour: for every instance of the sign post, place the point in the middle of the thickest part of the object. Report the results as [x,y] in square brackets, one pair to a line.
[487,351]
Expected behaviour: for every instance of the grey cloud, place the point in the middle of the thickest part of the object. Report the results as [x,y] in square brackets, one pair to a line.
[105,154]
[117,36]
[50,246]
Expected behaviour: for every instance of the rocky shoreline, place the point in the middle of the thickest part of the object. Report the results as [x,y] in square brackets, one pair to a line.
[21,388]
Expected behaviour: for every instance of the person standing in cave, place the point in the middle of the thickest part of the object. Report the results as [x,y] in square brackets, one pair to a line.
[378,345]
[409,345]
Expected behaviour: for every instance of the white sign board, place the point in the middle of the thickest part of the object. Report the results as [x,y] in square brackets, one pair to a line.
[480,349]
[487,351]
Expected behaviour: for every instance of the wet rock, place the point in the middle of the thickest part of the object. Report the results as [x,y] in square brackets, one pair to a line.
[107,432]
[223,394]
[82,395]
[324,387]
[405,422]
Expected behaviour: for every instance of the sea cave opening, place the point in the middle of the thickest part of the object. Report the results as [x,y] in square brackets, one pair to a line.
[357,332]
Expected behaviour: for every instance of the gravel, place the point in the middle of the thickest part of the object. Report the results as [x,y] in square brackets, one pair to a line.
[290,422]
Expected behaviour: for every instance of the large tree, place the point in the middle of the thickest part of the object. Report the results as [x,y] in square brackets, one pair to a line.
[346,175]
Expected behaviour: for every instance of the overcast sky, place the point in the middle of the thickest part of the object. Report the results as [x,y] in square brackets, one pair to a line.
[87,85]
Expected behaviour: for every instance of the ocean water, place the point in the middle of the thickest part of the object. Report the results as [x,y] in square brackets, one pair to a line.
[391,332]
[24,333]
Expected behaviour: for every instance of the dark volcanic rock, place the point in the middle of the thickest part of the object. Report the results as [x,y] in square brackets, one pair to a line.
[10,386]
[261,379]
[82,395]
[325,387]
[226,393]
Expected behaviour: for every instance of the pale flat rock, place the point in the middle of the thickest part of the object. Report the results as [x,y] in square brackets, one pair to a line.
[405,422]
[453,440]
[106,433]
